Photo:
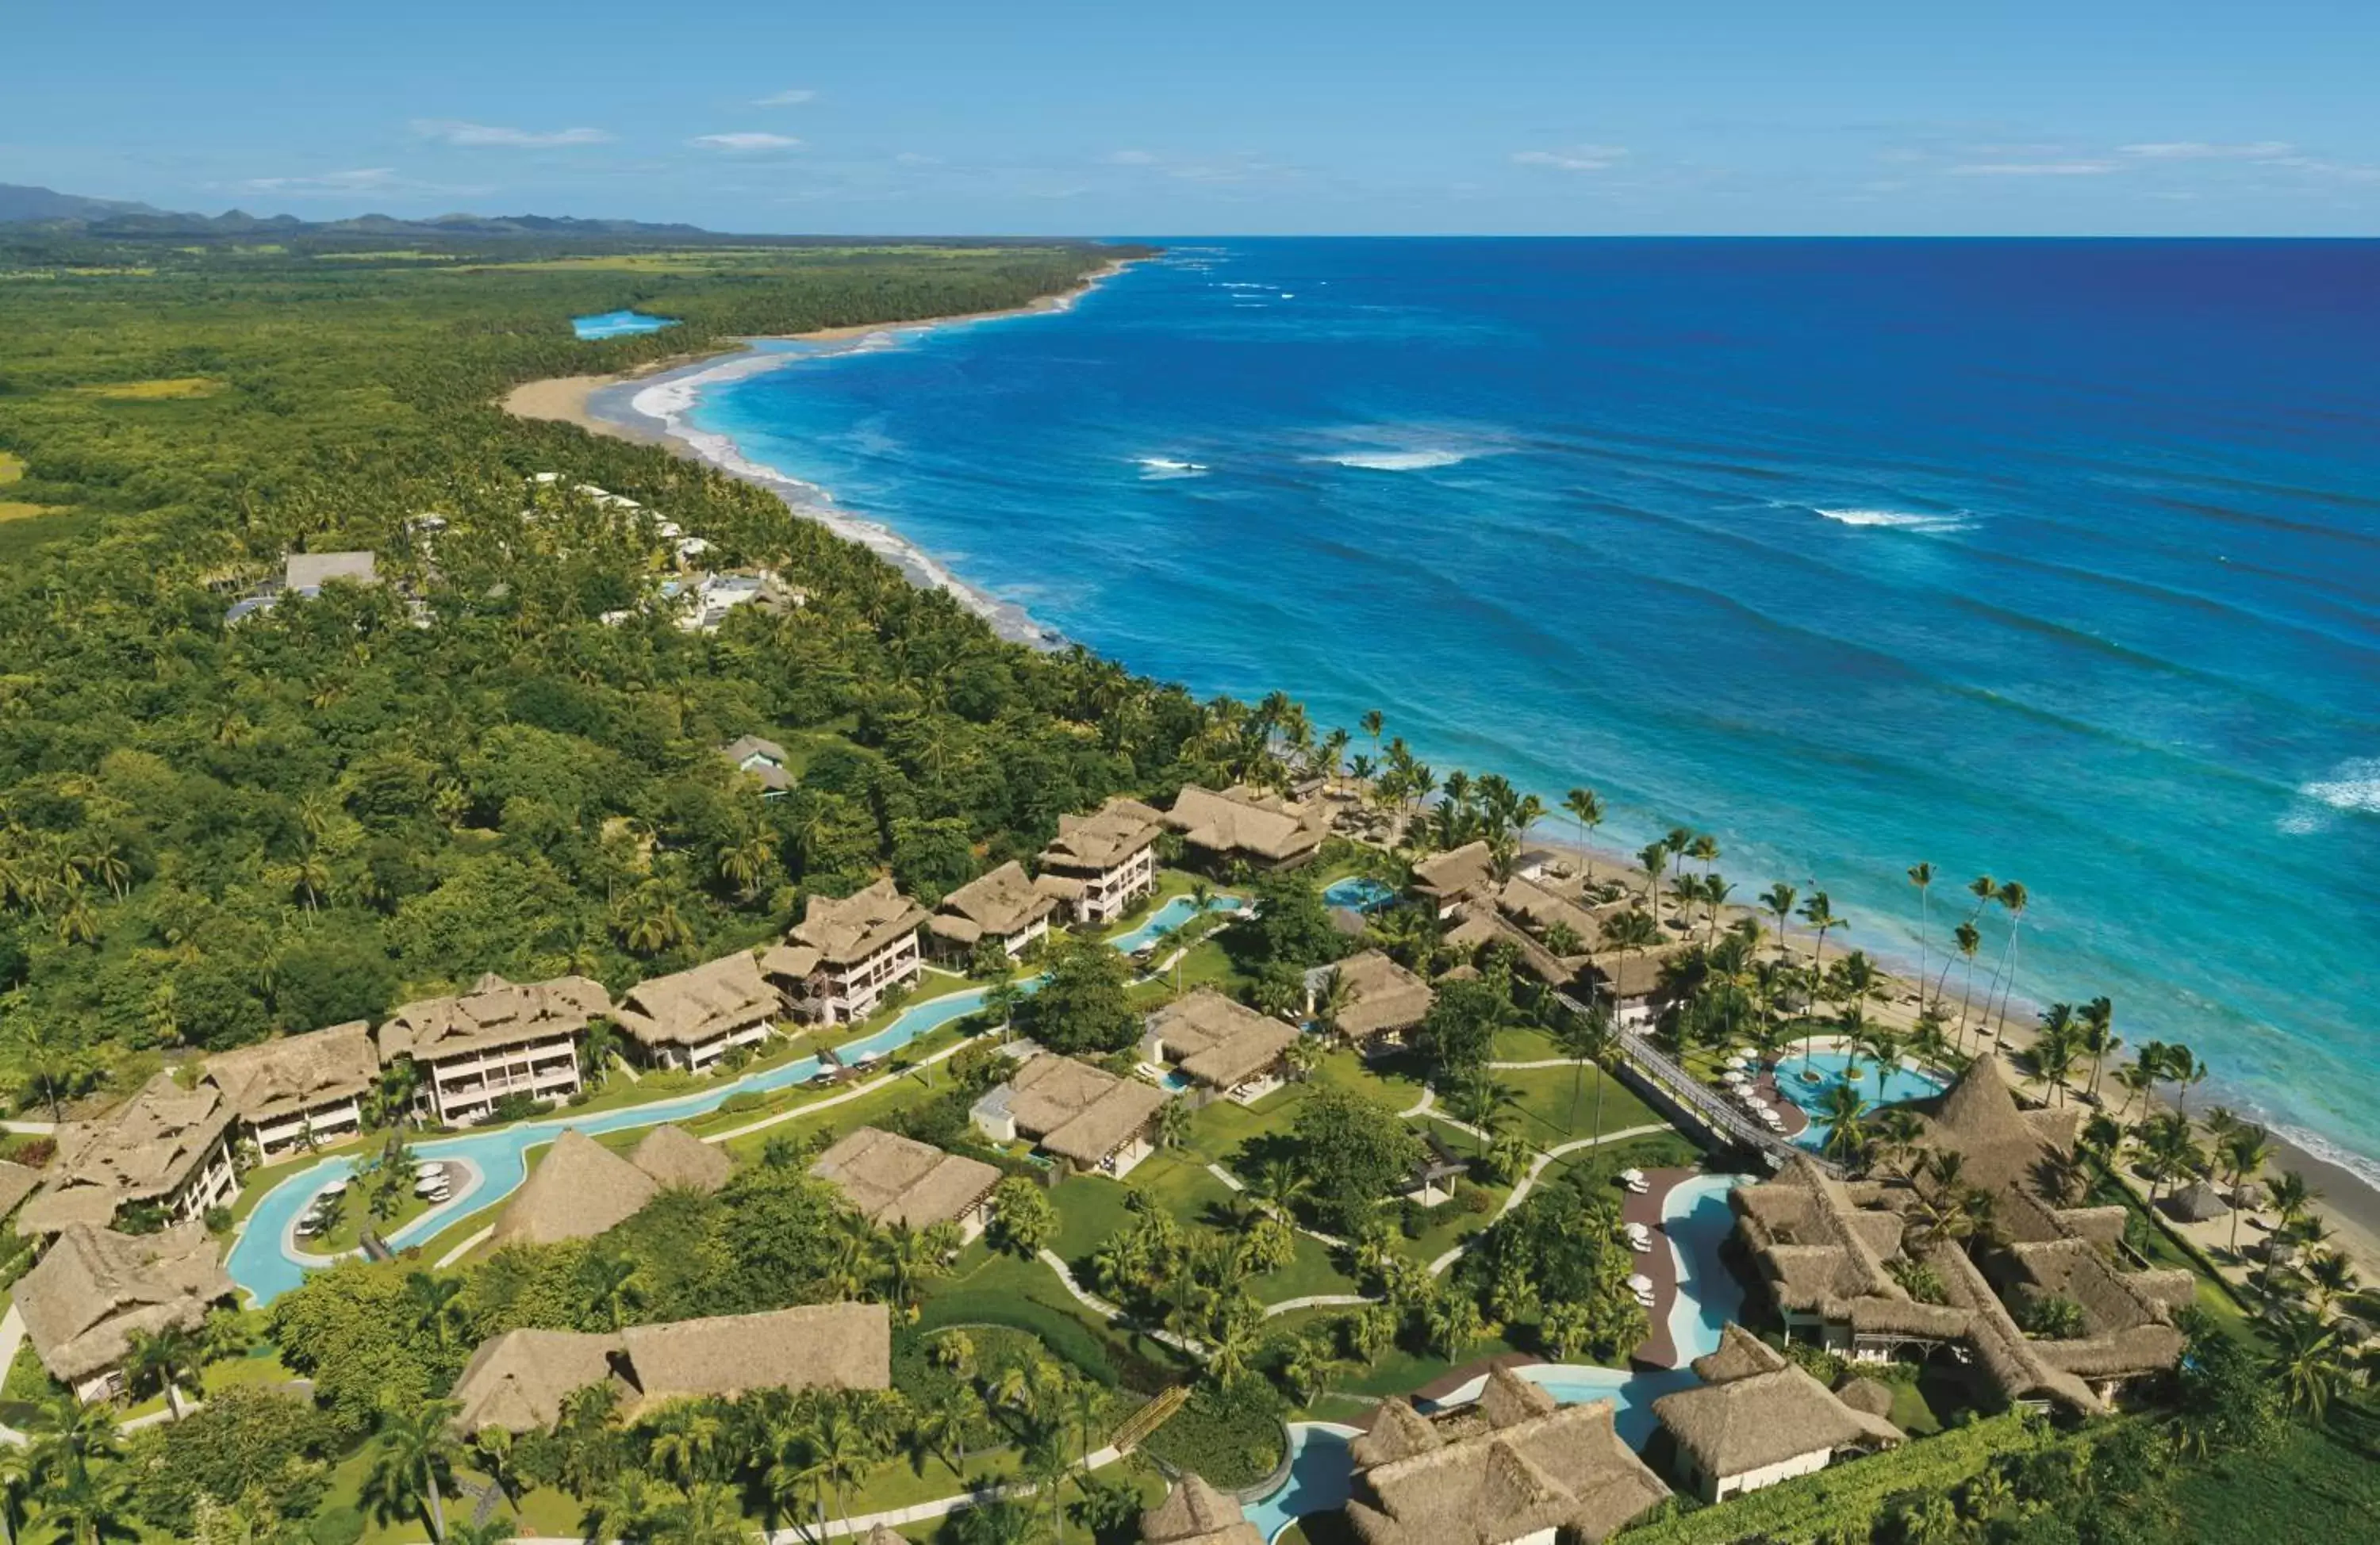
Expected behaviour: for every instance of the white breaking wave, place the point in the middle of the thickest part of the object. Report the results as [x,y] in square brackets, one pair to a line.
[2351,787]
[1399,461]
[1160,468]
[1894,520]
[2328,1152]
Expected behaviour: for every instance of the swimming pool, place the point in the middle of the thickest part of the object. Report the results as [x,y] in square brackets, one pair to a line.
[1172,916]
[265,1260]
[1901,1086]
[617,324]
[1358,893]
[1697,1221]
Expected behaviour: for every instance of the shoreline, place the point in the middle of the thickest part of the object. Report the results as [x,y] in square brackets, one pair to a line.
[2349,1202]
[669,389]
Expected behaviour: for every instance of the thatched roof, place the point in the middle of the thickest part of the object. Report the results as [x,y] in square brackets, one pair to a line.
[891,1180]
[690,1007]
[1760,1419]
[94,1289]
[580,1190]
[1457,875]
[1870,1396]
[1078,1111]
[518,1380]
[1541,908]
[1381,996]
[842,932]
[1241,820]
[675,1157]
[1104,839]
[1196,1514]
[16,1183]
[2000,1141]
[495,1013]
[2197,1202]
[1001,904]
[1397,1431]
[1507,1400]
[141,1151]
[296,1073]
[762,759]
[1219,1043]
[2011,1360]
[1740,1355]
[1563,1470]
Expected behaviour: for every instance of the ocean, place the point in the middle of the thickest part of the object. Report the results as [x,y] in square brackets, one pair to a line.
[2054,561]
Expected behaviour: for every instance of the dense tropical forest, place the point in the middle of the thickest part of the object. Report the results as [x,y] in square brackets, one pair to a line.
[210,833]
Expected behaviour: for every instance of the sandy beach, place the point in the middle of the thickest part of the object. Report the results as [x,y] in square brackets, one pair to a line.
[568,399]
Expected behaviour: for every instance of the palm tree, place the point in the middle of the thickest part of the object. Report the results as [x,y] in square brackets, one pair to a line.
[2055,1050]
[613,1286]
[2099,1038]
[1586,807]
[1779,899]
[1882,1048]
[1970,939]
[1922,875]
[414,1450]
[2012,898]
[1842,1108]
[160,1361]
[2186,1073]
[2308,1365]
[707,1514]
[433,1300]
[1655,857]
[1820,913]
[1629,931]
[1584,1038]
[89,1507]
[623,1509]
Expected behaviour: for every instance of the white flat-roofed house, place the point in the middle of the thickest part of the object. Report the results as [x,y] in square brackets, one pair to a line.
[167,1147]
[693,1018]
[1225,1046]
[472,1049]
[299,1090]
[1099,865]
[846,954]
[1004,906]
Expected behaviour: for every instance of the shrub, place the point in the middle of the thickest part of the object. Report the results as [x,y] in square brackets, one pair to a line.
[743,1100]
[336,1526]
[1230,1436]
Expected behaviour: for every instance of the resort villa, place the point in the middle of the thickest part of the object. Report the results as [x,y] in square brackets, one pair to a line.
[1825,1252]
[1196,1514]
[846,953]
[298,1091]
[1512,1469]
[1758,1419]
[1447,880]
[1225,1048]
[765,760]
[1242,825]
[1004,906]
[470,1050]
[691,1019]
[894,1181]
[1073,1111]
[1102,863]
[582,1189]
[167,1148]
[95,1289]
[518,1380]
[1368,1001]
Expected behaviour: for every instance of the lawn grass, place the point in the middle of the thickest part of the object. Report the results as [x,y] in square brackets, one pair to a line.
[164,389]
[12,467]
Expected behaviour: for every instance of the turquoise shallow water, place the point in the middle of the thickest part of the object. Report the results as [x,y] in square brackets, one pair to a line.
[618,325]
[2055,559]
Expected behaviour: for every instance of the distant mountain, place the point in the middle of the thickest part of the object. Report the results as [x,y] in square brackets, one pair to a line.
[41,203]
[110,217]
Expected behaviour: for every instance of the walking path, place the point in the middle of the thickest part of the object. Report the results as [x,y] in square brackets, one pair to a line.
[1098,1305]
[1537,1167]
[1319,1300]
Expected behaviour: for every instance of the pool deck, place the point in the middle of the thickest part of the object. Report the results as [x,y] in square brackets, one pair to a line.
[1797,1120]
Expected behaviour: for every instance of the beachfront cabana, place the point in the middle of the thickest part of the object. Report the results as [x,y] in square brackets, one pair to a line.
[2197,1202]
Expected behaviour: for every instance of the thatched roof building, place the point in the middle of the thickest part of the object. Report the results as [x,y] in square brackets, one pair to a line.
[1002,904]
[1766,1420]
[1515,1469]
[674,1015]
[94,1289]
[1196,1514]
[1383,998]
[1243,823]
[494,1014]
[891,1180]
[839,932]
[296,1073]
[1456,874]
[155,1147]
[519,1380]
[582,1189]
[1104,838]
[1071,1108]
[1222,1043]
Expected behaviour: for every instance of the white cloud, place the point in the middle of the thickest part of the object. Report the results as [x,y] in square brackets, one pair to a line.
[2199,150]
[794,98]
[748,141]
[2036,169]
[1573,158]
[454,132]
[1129,158]
[366,180]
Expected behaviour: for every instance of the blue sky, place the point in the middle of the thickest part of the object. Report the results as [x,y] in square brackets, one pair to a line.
[2009,116]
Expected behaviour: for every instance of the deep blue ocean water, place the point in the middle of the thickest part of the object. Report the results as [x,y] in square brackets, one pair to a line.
[2058,560]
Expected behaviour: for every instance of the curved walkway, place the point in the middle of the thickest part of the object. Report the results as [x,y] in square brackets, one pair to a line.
[1538,1167]
[1098,1305]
